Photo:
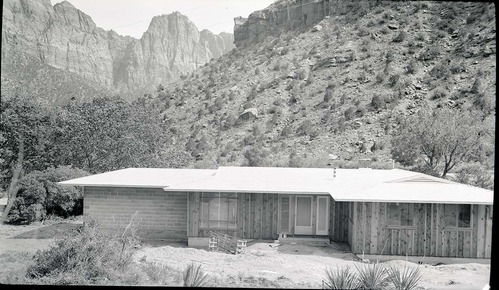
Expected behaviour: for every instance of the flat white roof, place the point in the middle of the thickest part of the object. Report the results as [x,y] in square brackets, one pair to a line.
[363,185]
[141,177]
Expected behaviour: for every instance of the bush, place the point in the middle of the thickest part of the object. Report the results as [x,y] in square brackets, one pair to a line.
[440,71]
[286,131]
[328,96]
[350,113]
[438,93]
[256,156]
[378,102]
[86,257]
[412,67]
[393,80]
[40,195]
[430,53]
[305,127]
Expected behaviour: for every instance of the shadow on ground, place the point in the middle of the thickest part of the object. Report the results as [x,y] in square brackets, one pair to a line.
[55,231]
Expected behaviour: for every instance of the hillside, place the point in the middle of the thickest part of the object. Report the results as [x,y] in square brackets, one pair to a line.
[332,92]
[24,75]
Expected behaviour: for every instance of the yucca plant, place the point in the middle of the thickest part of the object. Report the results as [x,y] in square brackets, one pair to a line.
[340,278]
[372,276]
[194,277]
[406,279]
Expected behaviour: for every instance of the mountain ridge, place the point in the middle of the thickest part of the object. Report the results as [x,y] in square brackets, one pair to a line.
[66,38]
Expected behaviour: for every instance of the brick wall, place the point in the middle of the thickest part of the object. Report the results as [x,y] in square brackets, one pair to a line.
[160,214]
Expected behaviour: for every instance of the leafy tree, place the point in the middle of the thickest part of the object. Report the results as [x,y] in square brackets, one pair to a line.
[40,195]
[436,141]
[27,133]
[107,134]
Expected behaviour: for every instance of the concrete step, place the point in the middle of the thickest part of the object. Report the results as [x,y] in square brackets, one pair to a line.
[304,240]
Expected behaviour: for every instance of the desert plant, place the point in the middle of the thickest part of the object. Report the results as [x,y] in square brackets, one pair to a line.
[87,257]
[372,276]
[378,102]
[341,278]
[405,279]
[194,277]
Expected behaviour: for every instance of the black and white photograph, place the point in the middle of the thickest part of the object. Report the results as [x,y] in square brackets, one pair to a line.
[301,144]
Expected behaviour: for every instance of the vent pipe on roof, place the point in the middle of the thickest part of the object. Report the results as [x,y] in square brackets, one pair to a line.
[334,172]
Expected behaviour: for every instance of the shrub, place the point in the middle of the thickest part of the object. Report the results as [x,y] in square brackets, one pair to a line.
[378,102]
[412,67]
[407,279]
[440,71]
[305,127]
[87,257]
[256,156]
[341,278]
[286,131]
[380,78]
[328,96]
[393,80]
[194,277]
[350,113]
[372,276]
[429,53]
[438,93]
[301,73]
[40,195]
[364,31]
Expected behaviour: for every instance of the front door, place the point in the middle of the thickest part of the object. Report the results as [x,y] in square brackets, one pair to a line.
[303,220]
[322,215]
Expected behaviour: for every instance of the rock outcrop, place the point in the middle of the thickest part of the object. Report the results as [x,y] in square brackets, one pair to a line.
[66,38]
[287,15]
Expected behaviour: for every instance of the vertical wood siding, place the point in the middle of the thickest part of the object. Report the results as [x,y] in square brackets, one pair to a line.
[428,236]
[339,223]
[257,216]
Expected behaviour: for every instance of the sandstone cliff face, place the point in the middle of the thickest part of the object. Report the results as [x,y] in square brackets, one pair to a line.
[66,38]
[285,15]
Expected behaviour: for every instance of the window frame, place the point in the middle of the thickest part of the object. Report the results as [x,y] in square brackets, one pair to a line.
[399,226]
[458,211]
[221,197]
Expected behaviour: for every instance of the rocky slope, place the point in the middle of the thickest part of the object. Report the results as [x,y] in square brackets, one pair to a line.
[66,38]
[333,92]
[290,15]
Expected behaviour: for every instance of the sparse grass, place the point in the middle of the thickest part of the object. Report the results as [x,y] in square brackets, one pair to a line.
[14,267]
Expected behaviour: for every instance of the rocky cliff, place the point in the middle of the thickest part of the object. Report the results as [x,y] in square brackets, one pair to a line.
[287,15]
[66,38]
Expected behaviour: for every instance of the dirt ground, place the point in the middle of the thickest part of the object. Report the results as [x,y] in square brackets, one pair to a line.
[298,266]
[264,264]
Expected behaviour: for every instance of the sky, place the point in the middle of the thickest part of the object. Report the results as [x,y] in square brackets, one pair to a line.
[132,17]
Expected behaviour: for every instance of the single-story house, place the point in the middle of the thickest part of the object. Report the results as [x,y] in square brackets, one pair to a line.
[393,212]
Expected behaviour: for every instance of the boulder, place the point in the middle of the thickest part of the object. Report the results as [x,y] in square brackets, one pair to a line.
[316,28]
[249,114]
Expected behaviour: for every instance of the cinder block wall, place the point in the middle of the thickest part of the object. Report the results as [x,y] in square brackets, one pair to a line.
[160,214]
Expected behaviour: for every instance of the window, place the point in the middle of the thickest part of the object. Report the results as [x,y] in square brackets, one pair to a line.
[218,210]
[457,215]
[400,214]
